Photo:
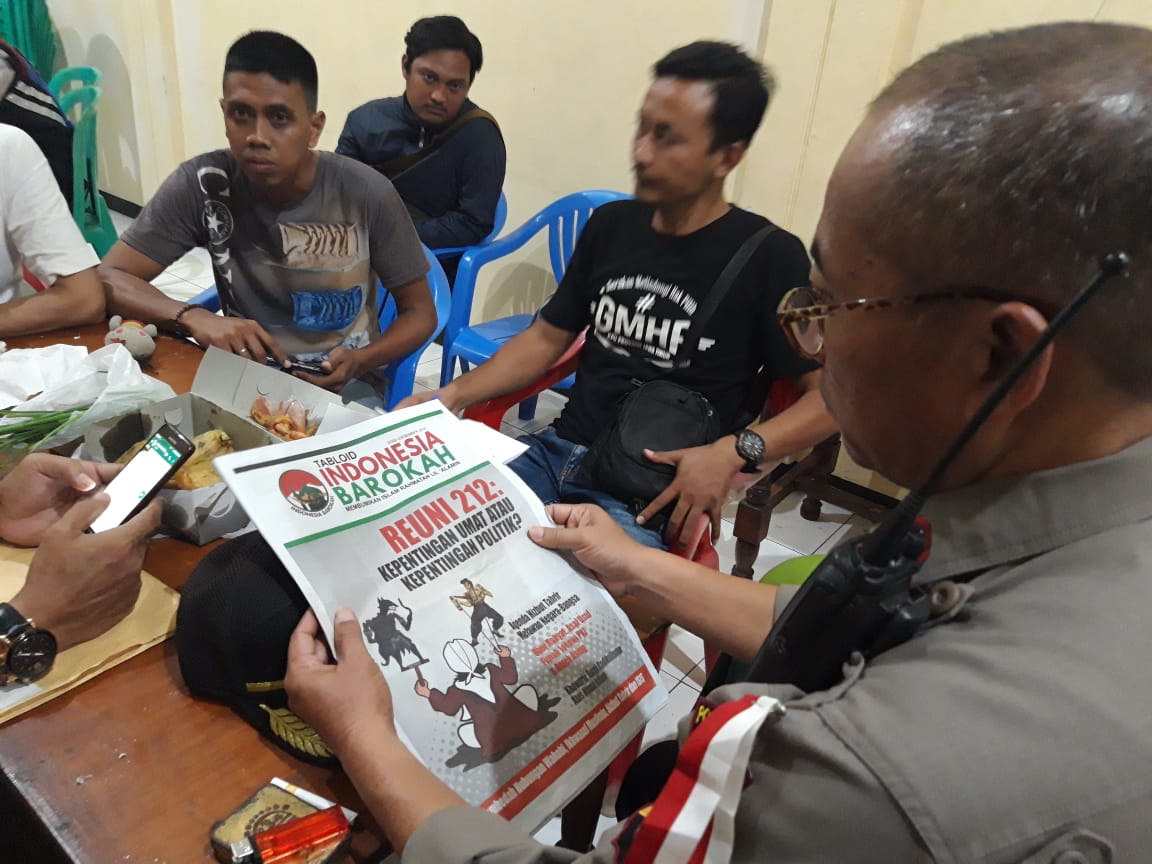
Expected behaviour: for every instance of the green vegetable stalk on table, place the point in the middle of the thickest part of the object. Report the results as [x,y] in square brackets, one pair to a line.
[22,432]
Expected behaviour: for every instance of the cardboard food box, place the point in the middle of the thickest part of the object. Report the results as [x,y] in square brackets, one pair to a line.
[222,395]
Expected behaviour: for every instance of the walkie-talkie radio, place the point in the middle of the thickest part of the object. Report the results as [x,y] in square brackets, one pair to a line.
[860,598]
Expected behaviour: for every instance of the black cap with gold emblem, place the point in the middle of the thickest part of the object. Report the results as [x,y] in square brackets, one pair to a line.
[237,613]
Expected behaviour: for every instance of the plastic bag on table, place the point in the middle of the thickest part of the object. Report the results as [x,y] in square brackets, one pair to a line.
[109,381]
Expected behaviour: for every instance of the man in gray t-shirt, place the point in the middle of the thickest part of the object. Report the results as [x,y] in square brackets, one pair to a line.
[299,240]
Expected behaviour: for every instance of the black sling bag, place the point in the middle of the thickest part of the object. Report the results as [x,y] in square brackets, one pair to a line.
[662,415]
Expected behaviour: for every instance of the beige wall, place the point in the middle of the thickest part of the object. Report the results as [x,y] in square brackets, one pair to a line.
[132,43]
[564,88]
[564,80]
[832,56]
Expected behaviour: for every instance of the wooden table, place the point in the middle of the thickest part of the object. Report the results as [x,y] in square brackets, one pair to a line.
[129,767]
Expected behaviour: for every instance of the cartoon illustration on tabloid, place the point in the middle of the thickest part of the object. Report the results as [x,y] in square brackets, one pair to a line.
[495,718]
[476,597]
[383,631]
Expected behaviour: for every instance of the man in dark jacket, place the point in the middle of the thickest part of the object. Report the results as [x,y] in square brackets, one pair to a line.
[444,155]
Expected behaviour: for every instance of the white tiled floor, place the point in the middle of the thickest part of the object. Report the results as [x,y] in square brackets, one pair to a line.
[185,278]
[683,668]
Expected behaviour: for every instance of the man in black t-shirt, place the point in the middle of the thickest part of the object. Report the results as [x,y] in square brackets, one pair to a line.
[638,276]
[637,290]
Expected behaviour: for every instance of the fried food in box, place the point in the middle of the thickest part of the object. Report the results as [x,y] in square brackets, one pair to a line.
[287,420]
[197,472]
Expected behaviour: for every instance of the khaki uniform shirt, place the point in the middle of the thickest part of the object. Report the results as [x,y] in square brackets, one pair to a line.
[1020,730]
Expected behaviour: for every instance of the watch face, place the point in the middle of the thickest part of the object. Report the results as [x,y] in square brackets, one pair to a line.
[750,446]
[32,655]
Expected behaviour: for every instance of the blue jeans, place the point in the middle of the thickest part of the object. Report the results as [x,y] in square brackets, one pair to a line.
[551,468]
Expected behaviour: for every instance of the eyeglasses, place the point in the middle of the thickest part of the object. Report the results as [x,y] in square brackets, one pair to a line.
[803,318]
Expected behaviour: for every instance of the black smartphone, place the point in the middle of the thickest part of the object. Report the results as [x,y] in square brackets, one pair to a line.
[143,476]
[311,367]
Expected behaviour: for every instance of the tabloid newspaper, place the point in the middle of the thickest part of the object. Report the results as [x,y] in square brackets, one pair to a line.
[515,678]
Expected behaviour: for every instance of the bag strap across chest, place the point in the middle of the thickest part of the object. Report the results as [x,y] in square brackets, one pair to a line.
[717,293]
[403,163]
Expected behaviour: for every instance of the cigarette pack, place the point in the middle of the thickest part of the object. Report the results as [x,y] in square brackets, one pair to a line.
[267,808]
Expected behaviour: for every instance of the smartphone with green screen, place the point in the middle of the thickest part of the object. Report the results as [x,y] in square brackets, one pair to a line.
[143,476]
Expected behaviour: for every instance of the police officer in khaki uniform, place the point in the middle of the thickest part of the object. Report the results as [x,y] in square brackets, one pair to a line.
[1018,729]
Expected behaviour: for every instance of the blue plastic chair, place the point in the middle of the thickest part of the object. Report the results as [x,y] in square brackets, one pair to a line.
[563,219]
[209,298]
[497,226]
[400,374]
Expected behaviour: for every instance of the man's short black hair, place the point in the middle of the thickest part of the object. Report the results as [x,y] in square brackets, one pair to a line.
[1023,156]
[443,33]
[282,57]
[741,87]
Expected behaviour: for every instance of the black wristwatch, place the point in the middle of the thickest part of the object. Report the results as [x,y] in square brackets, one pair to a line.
[750,447]
[26,652]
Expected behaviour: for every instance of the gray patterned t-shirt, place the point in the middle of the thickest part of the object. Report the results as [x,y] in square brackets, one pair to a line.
[307,273]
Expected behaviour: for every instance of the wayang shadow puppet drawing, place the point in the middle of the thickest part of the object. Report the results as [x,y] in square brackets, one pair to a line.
[383,631]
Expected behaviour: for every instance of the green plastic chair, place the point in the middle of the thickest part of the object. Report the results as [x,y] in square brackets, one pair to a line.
[88,206]
[793,571]
[73,76]
[26,25]
[12,24]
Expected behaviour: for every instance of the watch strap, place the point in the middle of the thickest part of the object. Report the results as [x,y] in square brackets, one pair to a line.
[11,621]
[12,624]
[18,633]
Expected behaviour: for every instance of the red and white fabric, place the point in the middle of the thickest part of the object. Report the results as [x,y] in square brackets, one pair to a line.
[693,819]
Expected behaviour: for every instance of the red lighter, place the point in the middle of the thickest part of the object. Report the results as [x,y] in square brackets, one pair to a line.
[294,842]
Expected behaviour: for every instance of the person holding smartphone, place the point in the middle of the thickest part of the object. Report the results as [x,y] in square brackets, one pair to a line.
[79,584]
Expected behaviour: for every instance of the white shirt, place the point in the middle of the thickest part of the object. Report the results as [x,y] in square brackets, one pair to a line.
[36,228]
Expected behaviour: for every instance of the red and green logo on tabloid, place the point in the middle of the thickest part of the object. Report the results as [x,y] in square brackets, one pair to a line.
[305,493]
